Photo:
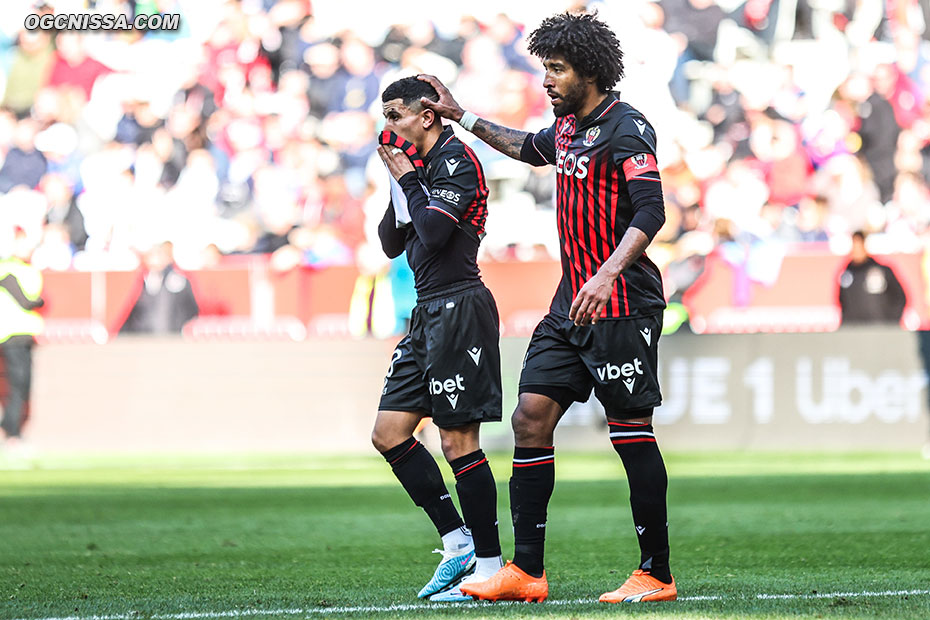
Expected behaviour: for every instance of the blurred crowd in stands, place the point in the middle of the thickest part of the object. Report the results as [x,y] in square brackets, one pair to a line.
[252,128]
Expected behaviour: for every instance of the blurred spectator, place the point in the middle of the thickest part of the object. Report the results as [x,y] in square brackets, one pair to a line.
[725,111]
[63,210]
[509,37]
[371,308]
[776,145]
[325,85]
[59,144]
[138,124]
[360,83]
[869,292]
[879,131]
[72,68]
[165,300]
[483,70]
[281,41]
[32,60]
[811,217]
[680,275]
[20,297]
[24,165]
[693,25]
[195,96]
[318,247]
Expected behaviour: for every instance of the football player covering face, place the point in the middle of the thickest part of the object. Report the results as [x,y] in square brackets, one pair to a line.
[441,239]
[570,92]
[414,123]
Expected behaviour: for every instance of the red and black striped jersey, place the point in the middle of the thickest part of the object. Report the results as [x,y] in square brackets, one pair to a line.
[596,158]
[456,182]
[442,243]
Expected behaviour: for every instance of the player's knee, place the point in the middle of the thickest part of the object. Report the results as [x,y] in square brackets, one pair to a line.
[519,421]
[376,441]
[631,416]
[450,447]
[456,443]
[381,440]
[529,427]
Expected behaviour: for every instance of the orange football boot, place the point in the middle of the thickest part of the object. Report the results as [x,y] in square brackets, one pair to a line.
[509,584]
[641,587]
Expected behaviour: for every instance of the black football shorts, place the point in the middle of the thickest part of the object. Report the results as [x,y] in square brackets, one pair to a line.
[617,357]
[449,365]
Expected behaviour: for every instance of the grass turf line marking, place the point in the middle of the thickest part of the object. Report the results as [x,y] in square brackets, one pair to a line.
[414,606]
[816,595]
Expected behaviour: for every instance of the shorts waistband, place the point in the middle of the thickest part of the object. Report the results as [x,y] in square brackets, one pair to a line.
[452,289]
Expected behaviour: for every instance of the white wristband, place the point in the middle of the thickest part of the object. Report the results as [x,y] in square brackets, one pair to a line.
[468,120]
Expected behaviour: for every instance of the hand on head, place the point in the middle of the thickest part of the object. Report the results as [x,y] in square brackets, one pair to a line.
[446,107]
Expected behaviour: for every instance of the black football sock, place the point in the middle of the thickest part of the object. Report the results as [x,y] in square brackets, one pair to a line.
[645,471]
[531,487]
[417,471]
[477,493]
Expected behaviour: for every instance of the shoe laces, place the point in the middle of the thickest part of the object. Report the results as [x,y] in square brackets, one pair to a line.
[454,553]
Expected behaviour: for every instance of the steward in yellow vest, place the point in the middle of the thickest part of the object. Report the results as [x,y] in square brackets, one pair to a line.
[20,297]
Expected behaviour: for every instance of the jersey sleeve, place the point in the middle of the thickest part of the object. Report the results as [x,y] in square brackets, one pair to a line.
[453,186]
[633,148]
[539,148]
[392,237]
[633,138]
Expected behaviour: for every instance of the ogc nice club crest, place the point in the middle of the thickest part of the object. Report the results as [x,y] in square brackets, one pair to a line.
[591,135]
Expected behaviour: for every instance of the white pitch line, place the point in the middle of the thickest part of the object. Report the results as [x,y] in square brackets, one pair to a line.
[198,615]
[842,594]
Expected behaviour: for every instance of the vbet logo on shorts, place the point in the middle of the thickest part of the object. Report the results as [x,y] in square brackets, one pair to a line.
[449,387]
[609,372]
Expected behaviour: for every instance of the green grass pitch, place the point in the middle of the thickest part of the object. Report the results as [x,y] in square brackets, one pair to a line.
[173,538]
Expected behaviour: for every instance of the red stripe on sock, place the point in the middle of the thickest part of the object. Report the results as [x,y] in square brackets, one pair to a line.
[415,444]
[637,440]
[634,425]
[472,466]
[552,460]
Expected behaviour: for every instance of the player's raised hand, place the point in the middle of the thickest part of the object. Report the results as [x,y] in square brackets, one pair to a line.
[396,160]
[446,107]
[591,300]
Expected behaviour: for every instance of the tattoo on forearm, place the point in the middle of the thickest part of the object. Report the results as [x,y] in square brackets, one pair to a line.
[506,140]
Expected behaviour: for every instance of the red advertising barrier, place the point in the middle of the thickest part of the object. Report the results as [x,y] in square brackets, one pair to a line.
[803,298]
[88,306]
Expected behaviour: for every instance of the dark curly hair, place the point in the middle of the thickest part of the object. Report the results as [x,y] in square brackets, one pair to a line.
[586,42]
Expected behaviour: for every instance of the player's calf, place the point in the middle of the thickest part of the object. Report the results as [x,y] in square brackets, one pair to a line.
[636,445]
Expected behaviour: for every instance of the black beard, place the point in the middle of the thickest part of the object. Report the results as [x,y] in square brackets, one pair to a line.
[563,109]
[571,102]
